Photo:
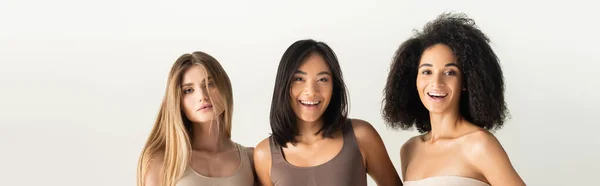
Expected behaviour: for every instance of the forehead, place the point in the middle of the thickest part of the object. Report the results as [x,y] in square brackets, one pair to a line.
[196,73]
[438,54]
[314,62]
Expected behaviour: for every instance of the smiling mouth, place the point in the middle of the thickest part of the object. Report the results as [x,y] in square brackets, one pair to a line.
[436,95]
[310,103]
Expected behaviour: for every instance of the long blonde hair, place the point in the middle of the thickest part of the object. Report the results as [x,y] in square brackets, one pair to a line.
[171,133]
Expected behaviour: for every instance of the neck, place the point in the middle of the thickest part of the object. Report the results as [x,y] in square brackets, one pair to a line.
[444,125]
[307,130]
[207,137]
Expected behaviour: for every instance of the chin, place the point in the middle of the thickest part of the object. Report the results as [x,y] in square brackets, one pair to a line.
[309,118]
[438,109]
[203,119]
[435,111]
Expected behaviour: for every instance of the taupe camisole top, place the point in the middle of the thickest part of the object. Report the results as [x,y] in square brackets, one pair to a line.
[345,169]
[243,176]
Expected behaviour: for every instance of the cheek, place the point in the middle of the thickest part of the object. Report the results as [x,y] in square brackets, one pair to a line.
[421,84]
[327,91]
[295,91]
[188,104]
[456,88]
[455,82]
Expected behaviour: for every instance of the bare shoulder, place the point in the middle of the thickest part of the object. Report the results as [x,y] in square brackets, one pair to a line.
[367,138]
[262,151]
[481,141]
[406,152]
[408,148]
[409,145]
[375,157]
[363,130]
[481,146]
[485,153]
[262,162]
[250,152]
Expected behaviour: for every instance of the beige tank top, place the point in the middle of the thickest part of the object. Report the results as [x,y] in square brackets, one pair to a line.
[446,181]
[243,176]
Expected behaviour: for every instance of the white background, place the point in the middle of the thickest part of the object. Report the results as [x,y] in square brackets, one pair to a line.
[81,81]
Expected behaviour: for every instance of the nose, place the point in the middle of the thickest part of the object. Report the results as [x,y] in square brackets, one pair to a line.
[203,94]
[437,80]
[310,88]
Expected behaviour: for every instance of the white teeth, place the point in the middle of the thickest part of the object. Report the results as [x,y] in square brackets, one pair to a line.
[436,94]
[310,103]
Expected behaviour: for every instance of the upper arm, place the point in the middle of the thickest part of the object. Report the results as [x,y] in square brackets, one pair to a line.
[405,155]
[262,162]
[152,177]
[491,160]
[250,151]
[378,163]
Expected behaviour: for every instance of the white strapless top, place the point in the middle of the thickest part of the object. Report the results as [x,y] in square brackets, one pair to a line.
[446,181]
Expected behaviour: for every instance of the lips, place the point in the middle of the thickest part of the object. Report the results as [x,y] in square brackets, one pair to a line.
[310,104]
[437,96]
[205,107]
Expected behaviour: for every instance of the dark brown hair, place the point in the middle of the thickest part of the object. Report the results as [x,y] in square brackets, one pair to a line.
[282,117]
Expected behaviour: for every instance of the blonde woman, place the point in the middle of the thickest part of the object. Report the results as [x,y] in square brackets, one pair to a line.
[190,143]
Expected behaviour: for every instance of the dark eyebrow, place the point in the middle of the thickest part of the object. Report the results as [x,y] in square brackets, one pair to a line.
[300,72]
[320,73]
[451,64]
[425,64]
[324,73]
[447,65]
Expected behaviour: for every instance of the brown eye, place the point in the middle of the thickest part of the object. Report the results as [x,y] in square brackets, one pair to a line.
[426,72]
[451,73]
[324,79]
[188,90]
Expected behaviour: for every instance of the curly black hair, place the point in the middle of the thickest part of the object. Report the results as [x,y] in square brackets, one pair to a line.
[483,101]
